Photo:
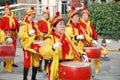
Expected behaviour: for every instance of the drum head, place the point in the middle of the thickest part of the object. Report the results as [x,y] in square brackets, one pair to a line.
[39,42]
[75,64]
[91,48]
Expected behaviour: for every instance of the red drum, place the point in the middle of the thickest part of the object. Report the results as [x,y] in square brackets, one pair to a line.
[37,44]
[7,52]
[74,71]
[92,52]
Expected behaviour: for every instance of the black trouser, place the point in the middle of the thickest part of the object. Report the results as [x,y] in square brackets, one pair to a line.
[34,73]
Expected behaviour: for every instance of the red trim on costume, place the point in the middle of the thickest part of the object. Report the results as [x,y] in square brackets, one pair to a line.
[74,26]
[65,45]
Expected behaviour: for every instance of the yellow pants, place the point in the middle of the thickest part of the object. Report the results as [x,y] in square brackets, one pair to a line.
[8,66]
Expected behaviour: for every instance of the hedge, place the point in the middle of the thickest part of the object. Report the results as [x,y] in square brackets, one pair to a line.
[106,19]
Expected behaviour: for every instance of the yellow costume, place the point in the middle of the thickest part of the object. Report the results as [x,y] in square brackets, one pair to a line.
[64,52]
[28,33]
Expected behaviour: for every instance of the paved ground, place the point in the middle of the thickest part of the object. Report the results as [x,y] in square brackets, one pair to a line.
[109,70]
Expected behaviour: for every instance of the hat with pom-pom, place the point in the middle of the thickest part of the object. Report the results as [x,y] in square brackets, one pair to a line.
[56,19]
[29,12]
[7,6]
[85,11]
[72,12]
[46,10]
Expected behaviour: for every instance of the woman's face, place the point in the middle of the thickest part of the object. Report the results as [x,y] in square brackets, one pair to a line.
[46,16]
[85,16]
[75,19]
[31,17]
[7,11]
[60,27]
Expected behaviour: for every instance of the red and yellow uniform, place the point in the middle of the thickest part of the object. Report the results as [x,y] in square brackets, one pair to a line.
[31,58]
[44,24]
[73,30]
[89,33]
[64,52]
[88,29]
[10,26]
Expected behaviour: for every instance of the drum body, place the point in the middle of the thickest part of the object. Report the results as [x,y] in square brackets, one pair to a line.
[92,52]
[37,44]
[7,52]
[74,71]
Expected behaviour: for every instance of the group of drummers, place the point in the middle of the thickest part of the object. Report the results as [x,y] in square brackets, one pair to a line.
[50,39]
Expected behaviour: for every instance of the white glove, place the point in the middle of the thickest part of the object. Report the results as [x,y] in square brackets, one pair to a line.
[85,58]
[94,42]
[57,45]
[80,37]
[31,32]
[9,40]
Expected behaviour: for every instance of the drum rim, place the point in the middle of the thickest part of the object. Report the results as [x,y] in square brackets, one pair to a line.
[5,45]
[62,63]
[39,42]
[7,57]
[91,48]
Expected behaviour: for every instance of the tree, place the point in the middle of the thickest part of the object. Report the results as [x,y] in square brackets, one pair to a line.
[106,19]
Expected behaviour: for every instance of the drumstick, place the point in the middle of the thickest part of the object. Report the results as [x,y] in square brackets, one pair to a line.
[76,53]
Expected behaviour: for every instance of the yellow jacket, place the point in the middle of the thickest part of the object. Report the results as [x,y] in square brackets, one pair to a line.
[48,53]
[27,40]
[72,32]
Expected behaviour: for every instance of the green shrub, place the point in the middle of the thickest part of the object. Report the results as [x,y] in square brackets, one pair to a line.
[106,19]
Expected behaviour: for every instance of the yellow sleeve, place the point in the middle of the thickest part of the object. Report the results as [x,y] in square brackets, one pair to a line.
[26,40]
[46,50]
[2,36]
[23,33]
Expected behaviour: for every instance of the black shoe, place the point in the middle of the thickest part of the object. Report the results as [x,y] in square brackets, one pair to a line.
[40,70]
[14,65]
[104,59]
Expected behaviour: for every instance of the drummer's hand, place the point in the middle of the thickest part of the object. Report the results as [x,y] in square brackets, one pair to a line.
[31,32]
[94,42]
[9,40]
[80,37]
[57,45]
[85,58]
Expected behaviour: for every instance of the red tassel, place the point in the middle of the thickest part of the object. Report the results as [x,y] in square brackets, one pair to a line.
[47,7]
[6,4]
[57,13]
[73,8]
[32,8]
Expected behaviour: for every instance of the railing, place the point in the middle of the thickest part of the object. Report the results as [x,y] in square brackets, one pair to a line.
[19,10]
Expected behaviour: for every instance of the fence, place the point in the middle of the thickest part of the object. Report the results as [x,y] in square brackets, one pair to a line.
[19,10]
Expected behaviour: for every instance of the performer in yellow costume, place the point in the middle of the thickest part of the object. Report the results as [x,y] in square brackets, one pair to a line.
[88,29]
[74,31]
[28,33]
[58,47]
[90,35]
[44,26]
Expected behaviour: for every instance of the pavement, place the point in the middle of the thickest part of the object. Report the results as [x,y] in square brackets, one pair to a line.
[109,70]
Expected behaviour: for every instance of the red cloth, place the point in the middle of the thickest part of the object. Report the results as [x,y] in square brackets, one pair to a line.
[74,26]
[65,45]
[43,27]
[6,25]
[26,59]
[33,27]
[94,34]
